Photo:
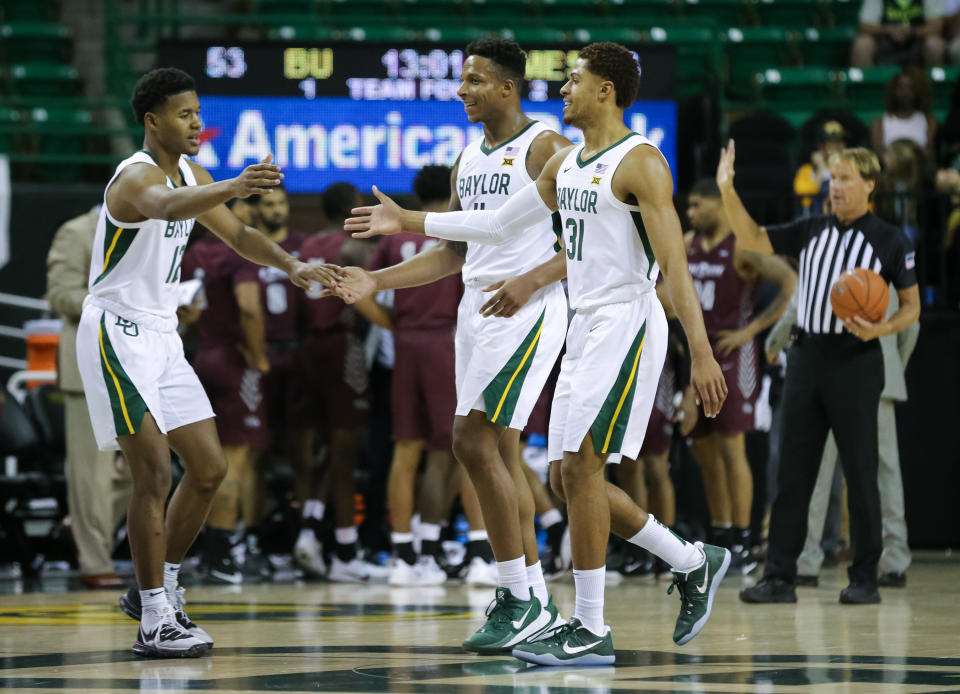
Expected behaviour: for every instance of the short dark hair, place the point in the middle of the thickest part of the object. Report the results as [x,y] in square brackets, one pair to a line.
[154,87]
[506,54]
[706,188]
[255,199]
[339,199]
[614,62]
[432,184]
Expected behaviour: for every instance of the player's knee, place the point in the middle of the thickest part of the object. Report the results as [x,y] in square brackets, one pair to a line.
[469,444]
[207,478]
[152,479]
[556,479]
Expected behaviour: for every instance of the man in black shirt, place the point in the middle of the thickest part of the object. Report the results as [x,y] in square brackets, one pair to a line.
[835,368]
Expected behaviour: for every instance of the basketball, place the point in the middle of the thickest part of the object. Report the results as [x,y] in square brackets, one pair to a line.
[860,292]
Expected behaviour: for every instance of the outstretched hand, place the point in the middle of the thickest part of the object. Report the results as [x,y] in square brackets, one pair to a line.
[375,220]
[725,167]
[305,273]
[352,285]
[257,179]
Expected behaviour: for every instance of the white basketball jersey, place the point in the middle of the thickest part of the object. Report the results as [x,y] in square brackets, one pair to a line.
[485,179]
[609,257]
[135,268]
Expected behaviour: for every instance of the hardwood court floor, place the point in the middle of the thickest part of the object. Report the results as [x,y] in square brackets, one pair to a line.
[346,638]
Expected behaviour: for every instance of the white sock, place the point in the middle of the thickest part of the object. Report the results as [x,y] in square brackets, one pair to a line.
[171,577]
[475,535]
[513,576]
[346,536]
[535,579]
[589,607]
[153,605]
[312,508]
[401,538]
[682,556]
[430,532]
[551,518]
[306,533]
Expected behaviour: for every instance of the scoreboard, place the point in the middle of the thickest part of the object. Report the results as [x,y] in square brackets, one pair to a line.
[372,112]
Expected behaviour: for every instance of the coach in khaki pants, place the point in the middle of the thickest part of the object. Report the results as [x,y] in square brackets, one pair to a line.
[98,483]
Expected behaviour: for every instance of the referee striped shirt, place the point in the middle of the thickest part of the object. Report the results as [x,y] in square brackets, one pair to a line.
[825,248]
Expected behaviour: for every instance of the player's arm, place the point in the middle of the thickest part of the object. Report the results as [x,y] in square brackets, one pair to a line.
[376,313]
[141,192]
[750,236]
[252,325]
[256,247]
[771,268]
[530,205]
[645,176]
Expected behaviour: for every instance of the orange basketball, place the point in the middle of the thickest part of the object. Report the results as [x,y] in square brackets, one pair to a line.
[860,292]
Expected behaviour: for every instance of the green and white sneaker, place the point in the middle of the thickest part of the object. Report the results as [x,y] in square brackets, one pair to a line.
[571,644]
[510,621]
[556,621]
[697,590]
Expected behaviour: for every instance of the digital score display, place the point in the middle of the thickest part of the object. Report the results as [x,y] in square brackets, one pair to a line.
[372,112]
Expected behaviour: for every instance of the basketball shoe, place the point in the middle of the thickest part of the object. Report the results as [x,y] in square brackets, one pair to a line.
[308,554]
[697,589]
[130,604]
[168,639]
[570,644]
[510,622]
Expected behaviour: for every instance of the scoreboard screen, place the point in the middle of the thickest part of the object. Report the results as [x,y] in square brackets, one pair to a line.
[374,113]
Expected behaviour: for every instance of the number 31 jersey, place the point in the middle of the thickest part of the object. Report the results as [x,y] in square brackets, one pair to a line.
[135,268]
[609,257]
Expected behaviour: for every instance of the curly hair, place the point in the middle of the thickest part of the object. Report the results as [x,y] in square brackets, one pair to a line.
[154,87]
[432,184]
[921,89]
[614,62]
[506,54]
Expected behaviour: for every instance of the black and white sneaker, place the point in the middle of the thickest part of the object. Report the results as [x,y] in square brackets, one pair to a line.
[130,604]
[168,639]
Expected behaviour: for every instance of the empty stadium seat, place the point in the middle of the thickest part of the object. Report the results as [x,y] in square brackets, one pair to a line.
[790,13]
[751,49]
[827,47]
[724,12]
[28,42]
[44,79]
[29,10]
[867,85]
[642,14]
[10,119]
[797,84]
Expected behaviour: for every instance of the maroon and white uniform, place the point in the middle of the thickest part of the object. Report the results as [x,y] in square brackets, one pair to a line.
[234,389]
[424,398]
[331,359]
[281,307]
[727,300]
[660,428]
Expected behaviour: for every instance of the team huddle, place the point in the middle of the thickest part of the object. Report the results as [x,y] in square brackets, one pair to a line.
[528,210]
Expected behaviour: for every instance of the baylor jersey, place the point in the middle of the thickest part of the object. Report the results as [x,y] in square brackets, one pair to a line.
[135,268]
[609,257]
[485,179]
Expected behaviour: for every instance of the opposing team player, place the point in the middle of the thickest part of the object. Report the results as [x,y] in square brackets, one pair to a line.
[502,362]
[615,195]
[727,280]
[142,394]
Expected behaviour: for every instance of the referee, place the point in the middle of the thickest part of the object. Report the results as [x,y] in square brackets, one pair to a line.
[835,368]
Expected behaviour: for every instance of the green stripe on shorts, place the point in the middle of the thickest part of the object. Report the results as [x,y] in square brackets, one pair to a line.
[610,426]
[127,405]
[500,397]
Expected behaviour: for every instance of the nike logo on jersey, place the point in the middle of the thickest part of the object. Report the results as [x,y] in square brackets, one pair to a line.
[519,623]
[573,650]
[567,169]
[702,588]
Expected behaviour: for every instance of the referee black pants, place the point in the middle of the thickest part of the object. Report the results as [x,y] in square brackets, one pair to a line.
[833,383]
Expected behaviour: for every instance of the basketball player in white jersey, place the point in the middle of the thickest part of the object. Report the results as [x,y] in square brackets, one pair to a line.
[503,359]
[615,194]
[143,396]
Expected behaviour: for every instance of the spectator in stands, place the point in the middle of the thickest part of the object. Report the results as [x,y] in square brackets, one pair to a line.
[812,182]
[98,482]
[907,114]
[952,22]
[900,32]
[900,188]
